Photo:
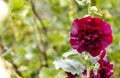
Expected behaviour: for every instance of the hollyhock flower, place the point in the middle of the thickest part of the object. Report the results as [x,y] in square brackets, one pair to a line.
[90,34]
[70,75]
[106,69]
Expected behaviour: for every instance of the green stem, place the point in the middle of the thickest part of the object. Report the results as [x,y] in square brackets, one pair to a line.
[89,5]
[88,72]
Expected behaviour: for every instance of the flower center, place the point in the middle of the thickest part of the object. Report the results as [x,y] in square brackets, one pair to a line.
[89,35]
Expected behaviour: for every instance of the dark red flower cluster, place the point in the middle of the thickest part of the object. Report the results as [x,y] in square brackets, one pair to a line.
[90,34]
[106,69]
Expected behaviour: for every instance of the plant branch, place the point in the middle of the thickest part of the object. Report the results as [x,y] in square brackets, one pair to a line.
[88,72]
[37,15]
[16,69]
[11,61]
[41,44]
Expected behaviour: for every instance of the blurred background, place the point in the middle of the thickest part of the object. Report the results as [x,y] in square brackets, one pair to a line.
[33,33]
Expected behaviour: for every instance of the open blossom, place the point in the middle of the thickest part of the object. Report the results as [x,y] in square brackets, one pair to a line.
[90,34]
[106,69]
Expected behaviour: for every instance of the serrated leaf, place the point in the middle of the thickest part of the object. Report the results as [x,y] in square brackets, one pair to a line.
[69,65]
[69,53]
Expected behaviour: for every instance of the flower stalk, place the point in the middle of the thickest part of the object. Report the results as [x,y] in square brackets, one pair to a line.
[88,72]
[89,5]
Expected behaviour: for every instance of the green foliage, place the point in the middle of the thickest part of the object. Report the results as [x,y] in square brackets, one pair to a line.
[69,53]
[69,65]
[21,34]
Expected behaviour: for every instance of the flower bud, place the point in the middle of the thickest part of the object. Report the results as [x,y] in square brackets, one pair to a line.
[86,1]
[93,9]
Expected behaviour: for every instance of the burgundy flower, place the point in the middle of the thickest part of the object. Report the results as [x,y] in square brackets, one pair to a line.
[90,34]
[106,69]
[70,75]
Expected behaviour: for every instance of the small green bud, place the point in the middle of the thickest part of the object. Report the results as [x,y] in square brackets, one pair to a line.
[93,9]
[86,1]
[83,2]
[95,68]
[80,2]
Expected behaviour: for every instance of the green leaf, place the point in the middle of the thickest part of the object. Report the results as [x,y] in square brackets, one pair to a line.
[80,2]
[17,4]
[69,65]
[93,60]
[83,2]
[86,1]
[69,53]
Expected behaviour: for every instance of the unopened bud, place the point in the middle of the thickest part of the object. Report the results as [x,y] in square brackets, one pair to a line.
[93,9]
[86,1]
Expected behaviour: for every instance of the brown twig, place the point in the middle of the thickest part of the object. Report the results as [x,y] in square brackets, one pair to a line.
[16,69]
[11,61]
[42,44]
[37,16]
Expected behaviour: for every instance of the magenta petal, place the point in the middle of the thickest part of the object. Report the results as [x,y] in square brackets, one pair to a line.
[74,33]
[95,52]
[76,24]
[97,76]
[75,45]
[97,21]
[81,49]
[106,40]
[103,53]
[106,69]
[106,28]
[91,35]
